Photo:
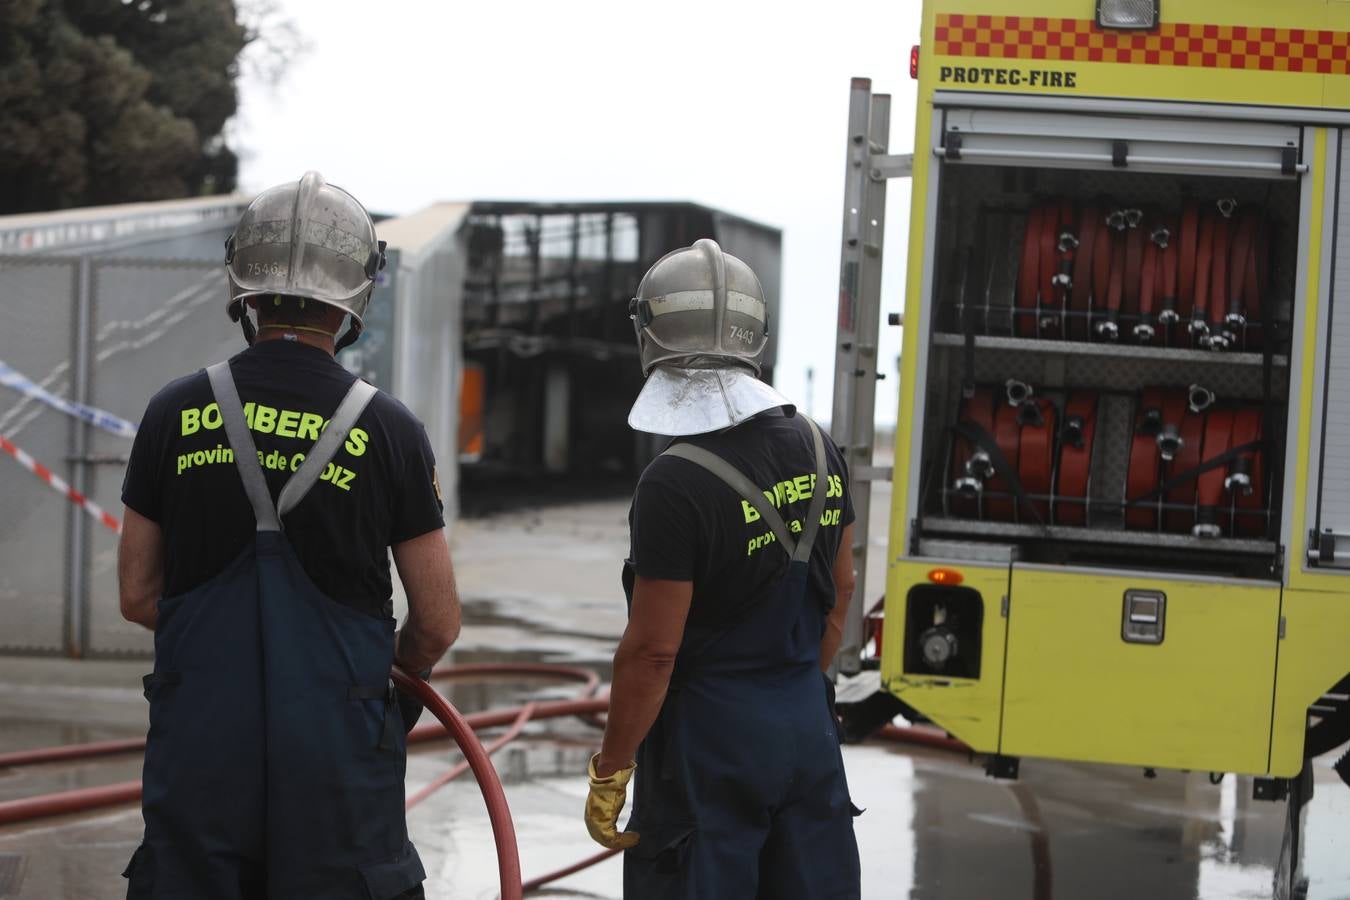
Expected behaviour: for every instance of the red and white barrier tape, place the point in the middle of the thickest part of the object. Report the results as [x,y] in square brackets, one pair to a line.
[59,485]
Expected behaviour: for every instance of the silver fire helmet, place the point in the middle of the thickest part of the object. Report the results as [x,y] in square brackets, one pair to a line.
[702,326]
[309,239]
[698,308]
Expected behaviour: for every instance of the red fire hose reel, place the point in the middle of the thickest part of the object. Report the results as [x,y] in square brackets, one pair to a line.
[1195,466]
[1004,452]
[1116,272]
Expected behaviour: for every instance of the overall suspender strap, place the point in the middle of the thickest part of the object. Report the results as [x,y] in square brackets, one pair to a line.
[817,508]
[799,549]
[241,442]
[326,447]
[246,452]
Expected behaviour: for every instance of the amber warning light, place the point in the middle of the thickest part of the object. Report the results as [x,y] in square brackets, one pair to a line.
[914,61]
[945,576]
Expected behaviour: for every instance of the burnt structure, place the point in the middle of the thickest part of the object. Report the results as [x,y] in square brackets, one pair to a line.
[550,362]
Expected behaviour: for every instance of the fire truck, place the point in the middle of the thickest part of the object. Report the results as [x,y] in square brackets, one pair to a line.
[1120,504]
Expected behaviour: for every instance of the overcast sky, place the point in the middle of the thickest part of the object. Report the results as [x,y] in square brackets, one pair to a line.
[738,105]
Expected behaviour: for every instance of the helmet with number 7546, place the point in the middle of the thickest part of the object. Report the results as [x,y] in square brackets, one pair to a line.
[308,239]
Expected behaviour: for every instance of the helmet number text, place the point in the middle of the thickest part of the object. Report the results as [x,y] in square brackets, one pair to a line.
[744,335]
[263,268]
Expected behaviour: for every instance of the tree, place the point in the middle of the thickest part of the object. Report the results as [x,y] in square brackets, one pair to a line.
[104,101]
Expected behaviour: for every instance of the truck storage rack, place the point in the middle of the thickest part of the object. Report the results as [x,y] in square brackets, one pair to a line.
[1114,351]
[1103,502]
[976,341]
[1094,535]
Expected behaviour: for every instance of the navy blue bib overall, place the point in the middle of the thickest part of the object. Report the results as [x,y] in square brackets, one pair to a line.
[275,759]
[740,790]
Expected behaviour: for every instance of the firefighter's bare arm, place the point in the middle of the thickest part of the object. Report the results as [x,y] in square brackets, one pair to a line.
[140,568]
[843,592]
[642,667]
[433,603]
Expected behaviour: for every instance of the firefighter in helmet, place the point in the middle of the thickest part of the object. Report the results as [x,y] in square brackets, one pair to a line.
[739,576]
[262,497]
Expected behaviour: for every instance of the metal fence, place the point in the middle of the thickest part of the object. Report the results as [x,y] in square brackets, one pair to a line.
[108,331]
[37,306]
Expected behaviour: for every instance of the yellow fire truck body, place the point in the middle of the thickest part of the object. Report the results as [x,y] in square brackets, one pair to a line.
[1242,634]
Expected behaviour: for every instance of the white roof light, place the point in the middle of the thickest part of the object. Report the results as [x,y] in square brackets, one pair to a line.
[1127,14]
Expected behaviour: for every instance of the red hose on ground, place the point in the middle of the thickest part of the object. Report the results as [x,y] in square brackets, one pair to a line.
[88,799]
[427,731]
[451,724]
[435,731]
[62,802]
[924,737]
[499,813]
[68,752]
[539,670]
[535,883]
[518,670]
[501,741]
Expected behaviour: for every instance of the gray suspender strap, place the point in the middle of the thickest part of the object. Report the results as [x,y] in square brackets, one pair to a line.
[741,485]
[246,452]
[798,549]
[808,537]
[326,447]
[241,442]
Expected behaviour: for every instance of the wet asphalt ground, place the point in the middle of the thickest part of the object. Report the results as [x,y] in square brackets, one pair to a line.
[542,585]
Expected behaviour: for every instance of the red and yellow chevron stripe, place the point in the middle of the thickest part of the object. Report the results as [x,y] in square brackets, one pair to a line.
[1173,44]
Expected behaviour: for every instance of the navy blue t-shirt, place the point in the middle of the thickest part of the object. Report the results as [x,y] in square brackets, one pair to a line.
[688,525]
[380,489]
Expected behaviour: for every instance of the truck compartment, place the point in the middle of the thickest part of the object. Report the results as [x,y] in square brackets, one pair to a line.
[1116,436]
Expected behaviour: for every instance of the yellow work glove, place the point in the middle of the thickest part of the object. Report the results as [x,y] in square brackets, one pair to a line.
[603,805]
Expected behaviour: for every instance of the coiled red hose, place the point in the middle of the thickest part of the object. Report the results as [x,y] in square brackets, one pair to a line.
[499,813]
[501,741]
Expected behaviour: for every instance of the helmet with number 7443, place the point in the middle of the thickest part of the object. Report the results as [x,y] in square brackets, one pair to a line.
[702,326]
